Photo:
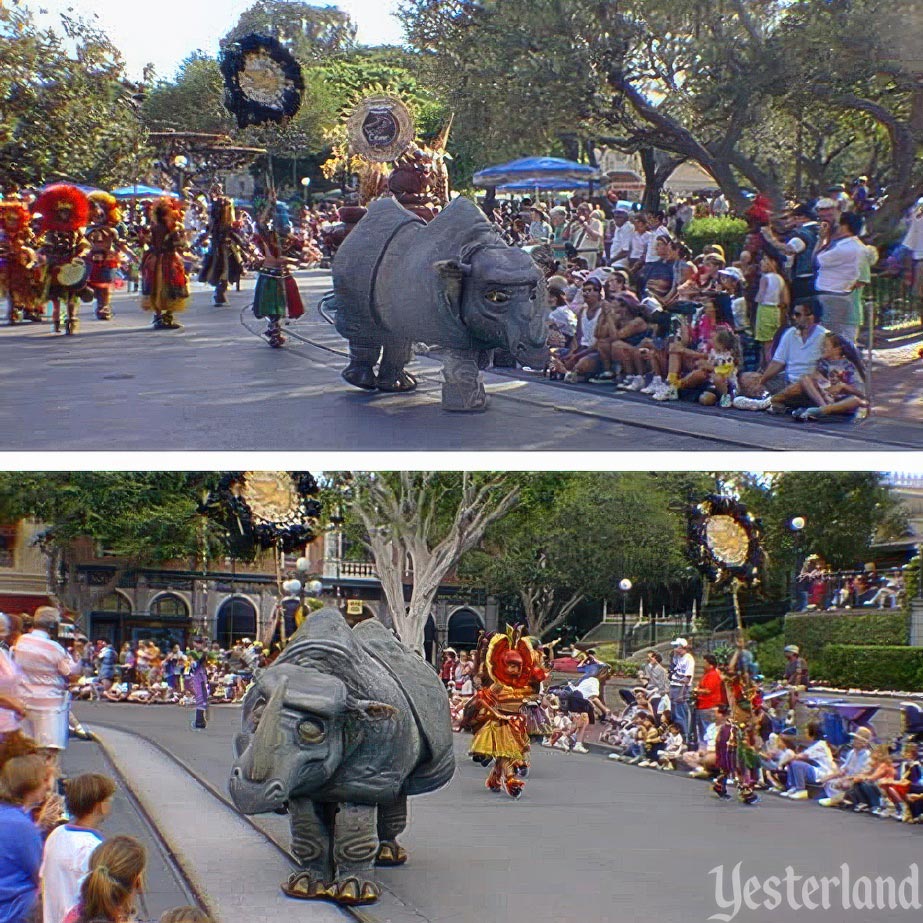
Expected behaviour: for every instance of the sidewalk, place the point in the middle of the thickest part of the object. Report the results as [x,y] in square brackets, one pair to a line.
[166,887]
[233,868]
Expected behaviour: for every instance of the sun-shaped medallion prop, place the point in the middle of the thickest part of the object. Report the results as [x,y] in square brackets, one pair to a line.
[262,81]
[266,509]
[725,541]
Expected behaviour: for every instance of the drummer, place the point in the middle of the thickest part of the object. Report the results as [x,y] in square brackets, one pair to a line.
[106,247]
[63,212]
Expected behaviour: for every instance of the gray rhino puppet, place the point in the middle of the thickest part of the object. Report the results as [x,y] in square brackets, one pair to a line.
[339,730]
[452,283]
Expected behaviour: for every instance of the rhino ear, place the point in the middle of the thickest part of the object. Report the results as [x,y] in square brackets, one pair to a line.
[449,276]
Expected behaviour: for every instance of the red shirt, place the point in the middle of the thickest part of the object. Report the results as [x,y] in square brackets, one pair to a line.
[715,696]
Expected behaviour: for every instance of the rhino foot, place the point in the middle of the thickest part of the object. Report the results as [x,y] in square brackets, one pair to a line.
[360,375]
[464,399]
[304,886]
[391,854]
[397,383]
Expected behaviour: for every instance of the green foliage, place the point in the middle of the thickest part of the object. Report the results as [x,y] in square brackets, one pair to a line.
[766,630]
[193,100]
[66,110]
[911,581]
[770,657]
[813,632]
[874,667]
[728,232]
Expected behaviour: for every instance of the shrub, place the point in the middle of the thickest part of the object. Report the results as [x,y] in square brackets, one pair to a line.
[770,657]
[766,630]
[911,581]
[728,232]
[814,631]
[869,666]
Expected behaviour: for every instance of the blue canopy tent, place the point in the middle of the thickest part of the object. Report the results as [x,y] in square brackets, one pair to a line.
[141,192]
[535,168]
[546,185]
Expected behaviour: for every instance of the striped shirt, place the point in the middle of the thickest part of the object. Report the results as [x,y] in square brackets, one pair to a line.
[46,668]
[10,680]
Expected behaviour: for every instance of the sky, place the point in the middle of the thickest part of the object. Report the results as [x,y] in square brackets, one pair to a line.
[166,31]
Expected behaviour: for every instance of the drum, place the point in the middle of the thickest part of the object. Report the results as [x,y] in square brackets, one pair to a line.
[73,274]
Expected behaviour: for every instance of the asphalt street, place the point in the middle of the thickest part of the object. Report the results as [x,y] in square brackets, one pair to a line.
[216,385]
[589,840]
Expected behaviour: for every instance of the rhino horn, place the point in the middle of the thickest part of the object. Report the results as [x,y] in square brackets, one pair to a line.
[268,736]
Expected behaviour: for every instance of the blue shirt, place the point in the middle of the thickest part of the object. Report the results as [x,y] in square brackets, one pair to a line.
[20,861]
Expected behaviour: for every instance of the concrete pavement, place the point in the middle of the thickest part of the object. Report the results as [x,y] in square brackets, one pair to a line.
[589,840]
[216,385]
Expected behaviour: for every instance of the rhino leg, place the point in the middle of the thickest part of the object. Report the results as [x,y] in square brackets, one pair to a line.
[361,369]
[355,845]
[391,374]
[312,835]
[462,388]
[392,819]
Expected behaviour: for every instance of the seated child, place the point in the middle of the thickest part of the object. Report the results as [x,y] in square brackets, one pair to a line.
[673,749]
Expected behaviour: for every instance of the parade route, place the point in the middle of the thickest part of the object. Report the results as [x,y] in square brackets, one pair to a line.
[216,385]
[589,840]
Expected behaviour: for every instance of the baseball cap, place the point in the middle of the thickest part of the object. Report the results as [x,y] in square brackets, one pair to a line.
[825,203]
[679,642]
[791,649]
[733,272]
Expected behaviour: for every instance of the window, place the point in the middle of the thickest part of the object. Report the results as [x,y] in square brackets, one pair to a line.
[169,606]
[7,546]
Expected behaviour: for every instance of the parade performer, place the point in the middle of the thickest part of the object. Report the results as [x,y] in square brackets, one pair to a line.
[740,760]
[197,681]
[223,263]
[64,211]
[510,667]
[276,294]
[20,273]
[106,247]
[164,288]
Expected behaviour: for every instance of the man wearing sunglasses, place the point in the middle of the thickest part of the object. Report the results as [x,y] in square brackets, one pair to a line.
[796,355]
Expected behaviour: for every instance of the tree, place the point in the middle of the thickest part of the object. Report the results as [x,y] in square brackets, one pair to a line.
[192,101]
[419,524]
[138,518]
[573,537]
[66,108]
[311,33]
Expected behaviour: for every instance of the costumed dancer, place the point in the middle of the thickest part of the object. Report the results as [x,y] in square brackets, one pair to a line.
[510,668]
[106,247]
[164,286]
[223,263]
[276,294]
[740,760]
[538,720]
[20,273]
[64,211]
[197,681]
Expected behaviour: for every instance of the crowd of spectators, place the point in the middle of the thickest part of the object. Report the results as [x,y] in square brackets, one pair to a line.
[820,588]
[773,327]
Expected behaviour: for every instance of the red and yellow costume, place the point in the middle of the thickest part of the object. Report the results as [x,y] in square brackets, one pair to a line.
[164,285]
[20,273]
[64,211]
[509,669]
[106,248]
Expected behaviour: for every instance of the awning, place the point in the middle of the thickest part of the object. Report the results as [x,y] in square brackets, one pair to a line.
[23,602]
[532,168]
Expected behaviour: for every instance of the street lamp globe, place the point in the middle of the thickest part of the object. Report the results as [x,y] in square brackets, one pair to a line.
[291,587]
[625,584]
[180,161]
[305,181]
[303,565]
[798,523]
[315,588]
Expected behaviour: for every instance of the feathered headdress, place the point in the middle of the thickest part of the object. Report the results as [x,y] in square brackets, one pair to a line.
[168,205]
[11,212]
[109,204]
[511,660]
[62,208]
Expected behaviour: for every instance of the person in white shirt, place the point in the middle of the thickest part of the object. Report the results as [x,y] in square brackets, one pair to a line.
[46,673]
[622,236]
[813,765]
[839,267]
[682,670]
[913,241]
[66,858]
[858,760]
[12,710]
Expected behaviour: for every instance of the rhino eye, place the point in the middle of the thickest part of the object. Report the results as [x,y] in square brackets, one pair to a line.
[497,297]
[311,732]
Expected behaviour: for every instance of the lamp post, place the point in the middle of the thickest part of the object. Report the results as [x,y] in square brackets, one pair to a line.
[306,189]
[625,586]
[797,525]
[180,162]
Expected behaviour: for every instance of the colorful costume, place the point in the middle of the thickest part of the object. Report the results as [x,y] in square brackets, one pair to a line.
[223,263]
[20,273]
[738,758]
[106,247]
[197,682]
[510,668]
[276,294]
[164,287]
[64,211]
